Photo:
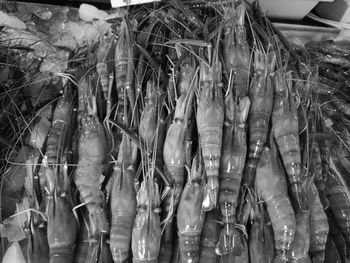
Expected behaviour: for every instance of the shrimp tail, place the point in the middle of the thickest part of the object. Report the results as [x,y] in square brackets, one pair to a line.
[230,241]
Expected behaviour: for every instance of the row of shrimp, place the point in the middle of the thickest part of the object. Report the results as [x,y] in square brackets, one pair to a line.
[175,141]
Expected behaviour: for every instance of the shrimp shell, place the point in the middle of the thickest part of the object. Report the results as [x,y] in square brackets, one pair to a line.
[210,120]
[319,227]
[190,217]
[301,242]
[338,196]
[232,162]
[272,186]
[236,50]
[209,237]
[62,229]
[92,151]
[123,201]
[146,233]
[261,98]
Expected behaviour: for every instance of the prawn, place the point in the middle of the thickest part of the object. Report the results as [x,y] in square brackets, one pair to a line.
[92,150]
[123,200]
[209,237]
[321,150]
[337,238]
[319,227]
[38,246]
[261,98]
[338,195]
[286,134]
[261,242]
[174,156]
[210,121]
[62,228]
[103,64]
[301,242]
[232,162]
[190,216]
[149,116]
[236,50]
[146,233]
[272,186]
[124,70]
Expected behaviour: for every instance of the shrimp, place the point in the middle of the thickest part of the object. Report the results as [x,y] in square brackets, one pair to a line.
[336,237]
[236,50]
[83,239]
[320,153]
[209,237]
[285,131]
[146,233]
[41,128]
[92,151]
[174,156]
[301,242]
[149,116]
[232,258]
[57,136]
[62,228]
[123,200]
[319,227]
[231,169]
[339,201]
[272,186]
[332,255]
[341,105]
[261,98]
[261,242]
[123,72]
[190,217]
[210,120]
[103,64]
[38,246]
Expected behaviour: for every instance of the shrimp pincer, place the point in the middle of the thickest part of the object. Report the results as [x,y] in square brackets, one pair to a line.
[232,162]
[272,186]
[190,216]
[92,150]
[123,200]
[146,233]
[210,120]
[319,227]
[261,98]
[286,133]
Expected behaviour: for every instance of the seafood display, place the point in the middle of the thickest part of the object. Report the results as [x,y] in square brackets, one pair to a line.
[176,131]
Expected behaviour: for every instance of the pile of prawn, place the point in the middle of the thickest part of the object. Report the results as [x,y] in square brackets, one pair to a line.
[171,132]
